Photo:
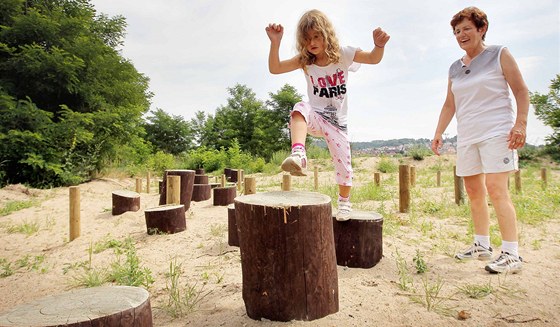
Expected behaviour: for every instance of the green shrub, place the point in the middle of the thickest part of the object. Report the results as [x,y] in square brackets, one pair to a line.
[386,165]
[418,152]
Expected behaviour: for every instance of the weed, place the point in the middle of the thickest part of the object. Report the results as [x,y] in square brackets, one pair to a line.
[475,291]
[420,263]
[13,206]
[5,268]
[406,282]
[27,228]
[129,272]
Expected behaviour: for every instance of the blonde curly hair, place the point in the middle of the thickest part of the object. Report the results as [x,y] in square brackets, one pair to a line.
[317,21]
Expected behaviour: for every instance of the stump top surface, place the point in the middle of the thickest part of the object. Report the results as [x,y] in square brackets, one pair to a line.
[164,207]
[363,215]
[179,171]
[127,194]
[284,199]
[75,306]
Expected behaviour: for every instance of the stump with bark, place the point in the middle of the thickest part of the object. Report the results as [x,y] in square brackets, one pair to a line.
[199,171]
[187,183]
[201,179]
[224,196]
[288,257]
[124,201]
[359,241]
[166,219]
[96,306]
[233,236]
[201,192]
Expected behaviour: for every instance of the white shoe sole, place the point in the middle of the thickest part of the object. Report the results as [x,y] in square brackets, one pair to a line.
[293,168]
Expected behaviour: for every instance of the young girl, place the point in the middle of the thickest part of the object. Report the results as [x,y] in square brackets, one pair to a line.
[326,66]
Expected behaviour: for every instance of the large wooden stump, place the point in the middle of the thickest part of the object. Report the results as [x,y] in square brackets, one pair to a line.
[168,219]
[187,182]
[288,257]
[124,201]
[201,179]
[224,195]
[358,241]
[96,306]
[233,236]
[201,192]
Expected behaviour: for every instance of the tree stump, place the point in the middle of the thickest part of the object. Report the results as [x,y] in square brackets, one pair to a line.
[201,179]
[224,195]
[233,236]
[231,175]
[187,182]
[124,201]
[201,192]
[288,259]
[358,241]
[96,306]
[199,171]
[168,219]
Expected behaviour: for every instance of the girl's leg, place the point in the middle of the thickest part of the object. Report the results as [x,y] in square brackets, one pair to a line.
[344,191]
[298,128]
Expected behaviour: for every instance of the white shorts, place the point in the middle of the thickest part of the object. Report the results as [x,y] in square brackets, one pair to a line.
[487,157]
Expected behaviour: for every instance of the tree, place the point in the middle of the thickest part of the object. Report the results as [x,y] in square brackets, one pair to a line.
[59,60]
[170,134]
[547,109]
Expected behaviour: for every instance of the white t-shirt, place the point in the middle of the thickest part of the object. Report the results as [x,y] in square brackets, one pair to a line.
[326,88]
[482,100]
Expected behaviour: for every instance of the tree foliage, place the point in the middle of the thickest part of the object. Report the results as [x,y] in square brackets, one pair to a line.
[169,133]
[547,109]
[76,100]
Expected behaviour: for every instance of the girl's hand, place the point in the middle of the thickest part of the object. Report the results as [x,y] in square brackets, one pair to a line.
[274,32]
[380,37]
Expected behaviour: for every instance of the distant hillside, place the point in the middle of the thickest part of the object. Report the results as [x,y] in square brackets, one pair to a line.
[376,144]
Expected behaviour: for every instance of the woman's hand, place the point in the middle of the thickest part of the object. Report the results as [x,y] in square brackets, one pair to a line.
[517,137]
[380,37]
[275,32]
[437,143]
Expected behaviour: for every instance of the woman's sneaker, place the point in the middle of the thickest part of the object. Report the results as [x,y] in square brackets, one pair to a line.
[505,263]
[344,210]
[295,164]
[476,251]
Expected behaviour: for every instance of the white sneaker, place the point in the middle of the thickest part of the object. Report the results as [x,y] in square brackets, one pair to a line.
[344,210]
[295,164]
[505,263]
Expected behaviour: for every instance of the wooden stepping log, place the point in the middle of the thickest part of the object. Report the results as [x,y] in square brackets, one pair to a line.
[124,201]
[201,179]
[199,171]
[96,306]
[359,240]
[233,236]
[168,219]
[288,259]
[201,192]
[224,196]
[187,182]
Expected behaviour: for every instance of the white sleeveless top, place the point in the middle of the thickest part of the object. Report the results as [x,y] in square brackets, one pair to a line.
[482,100]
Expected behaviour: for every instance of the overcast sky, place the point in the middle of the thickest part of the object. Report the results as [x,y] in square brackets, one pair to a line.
[193,50]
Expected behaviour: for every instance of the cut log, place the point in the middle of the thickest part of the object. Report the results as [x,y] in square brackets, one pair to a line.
[201,179]
[288,259]
[214,185]
[124,201]
[359,241]
[224,195]
[231,175]
[233,236]
[187,182]
[96,306]
[199,171]
[167,219]
[201,192]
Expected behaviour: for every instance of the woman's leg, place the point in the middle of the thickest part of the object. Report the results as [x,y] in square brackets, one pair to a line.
[505,211]
[476,190]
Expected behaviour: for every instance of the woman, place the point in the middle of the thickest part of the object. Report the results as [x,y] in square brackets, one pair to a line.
[488,134]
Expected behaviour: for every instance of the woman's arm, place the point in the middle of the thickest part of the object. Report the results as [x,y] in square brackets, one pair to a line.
[518,133]
[445,116]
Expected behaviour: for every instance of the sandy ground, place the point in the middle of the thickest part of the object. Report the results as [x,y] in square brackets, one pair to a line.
[367,297]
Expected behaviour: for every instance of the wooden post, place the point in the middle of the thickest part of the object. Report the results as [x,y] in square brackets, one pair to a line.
[148,182]
[250,185]
[459,188]
[438,178]
[185,189]
[74,212]
[377,179]
[518,181]
[316,178]
[412,176]
[288,259]
[239,179]
[173,189]
[543,178]
[138,185]
[404,188]
[223,181]
[286,182]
